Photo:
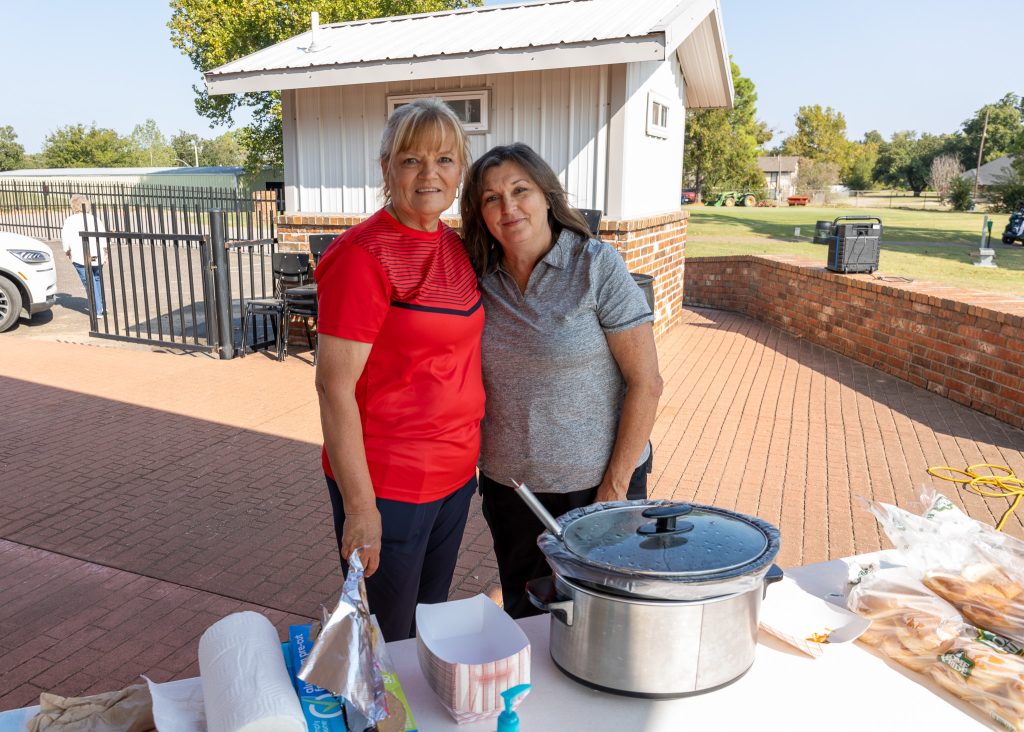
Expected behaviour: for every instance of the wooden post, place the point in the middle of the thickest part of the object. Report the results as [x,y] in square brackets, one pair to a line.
[977,168]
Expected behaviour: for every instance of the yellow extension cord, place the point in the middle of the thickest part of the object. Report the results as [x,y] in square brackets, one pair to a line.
[989,486]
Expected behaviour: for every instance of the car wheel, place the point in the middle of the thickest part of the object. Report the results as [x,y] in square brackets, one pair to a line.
[10,304]
[1007,240]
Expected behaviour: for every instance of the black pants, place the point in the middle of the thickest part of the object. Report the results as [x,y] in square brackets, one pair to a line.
[514,530]
[419,548]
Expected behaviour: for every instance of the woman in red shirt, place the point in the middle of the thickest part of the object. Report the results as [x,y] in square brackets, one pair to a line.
[398,373]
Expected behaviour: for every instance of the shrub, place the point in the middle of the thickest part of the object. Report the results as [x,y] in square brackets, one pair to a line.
[960,194]
[1007,194]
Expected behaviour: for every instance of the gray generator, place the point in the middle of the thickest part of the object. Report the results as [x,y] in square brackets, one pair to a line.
[853,244]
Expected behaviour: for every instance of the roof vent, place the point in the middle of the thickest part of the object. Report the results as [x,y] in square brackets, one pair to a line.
[314,33]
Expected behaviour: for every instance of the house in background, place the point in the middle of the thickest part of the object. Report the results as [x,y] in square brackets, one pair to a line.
[994,171]
[780,172]
[598,87]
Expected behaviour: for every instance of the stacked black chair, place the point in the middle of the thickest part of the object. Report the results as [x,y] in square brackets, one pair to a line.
[271,308]
[318,244]
[291,269]
[302,305]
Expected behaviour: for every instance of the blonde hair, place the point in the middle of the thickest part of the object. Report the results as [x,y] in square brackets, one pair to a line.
[418,121]
[77,201]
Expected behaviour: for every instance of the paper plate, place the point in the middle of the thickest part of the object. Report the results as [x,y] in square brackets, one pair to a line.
[806,622]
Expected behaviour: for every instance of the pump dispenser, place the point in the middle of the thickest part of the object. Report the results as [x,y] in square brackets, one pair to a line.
[508,720]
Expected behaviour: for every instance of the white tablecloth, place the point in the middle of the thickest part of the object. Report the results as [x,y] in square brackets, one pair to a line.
[847,688]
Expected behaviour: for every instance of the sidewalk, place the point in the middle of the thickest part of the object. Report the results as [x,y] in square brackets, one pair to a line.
[144,495]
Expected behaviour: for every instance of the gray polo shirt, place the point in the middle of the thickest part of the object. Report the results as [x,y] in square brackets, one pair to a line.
[554,391]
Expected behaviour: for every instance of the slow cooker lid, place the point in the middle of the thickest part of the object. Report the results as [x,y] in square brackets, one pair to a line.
[677,540]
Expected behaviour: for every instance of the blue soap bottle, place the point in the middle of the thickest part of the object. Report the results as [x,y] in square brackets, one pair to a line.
[508,720]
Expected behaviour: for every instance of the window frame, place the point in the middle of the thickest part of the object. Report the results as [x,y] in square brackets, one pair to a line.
[654,127]
[455,95]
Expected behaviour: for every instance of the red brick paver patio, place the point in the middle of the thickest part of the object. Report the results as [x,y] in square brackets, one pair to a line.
[143,496]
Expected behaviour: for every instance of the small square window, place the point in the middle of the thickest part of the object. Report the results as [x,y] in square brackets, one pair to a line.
[657,115]
[469,106]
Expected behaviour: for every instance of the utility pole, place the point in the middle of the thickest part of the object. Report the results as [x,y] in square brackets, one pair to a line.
[977,169]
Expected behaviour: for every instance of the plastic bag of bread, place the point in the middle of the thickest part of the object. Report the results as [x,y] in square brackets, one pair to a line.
[977,569]
[918,629]
[989,678]
[989,596]
[909,623]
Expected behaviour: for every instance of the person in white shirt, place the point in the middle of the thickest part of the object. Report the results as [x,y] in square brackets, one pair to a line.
[81,220]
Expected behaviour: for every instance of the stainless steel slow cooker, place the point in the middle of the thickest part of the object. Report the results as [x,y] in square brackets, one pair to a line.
[654,598]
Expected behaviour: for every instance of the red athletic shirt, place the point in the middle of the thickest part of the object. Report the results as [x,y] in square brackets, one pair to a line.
[414,296]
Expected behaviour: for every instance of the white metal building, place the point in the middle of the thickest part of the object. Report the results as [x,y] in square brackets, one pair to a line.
[598,87]
[204,177]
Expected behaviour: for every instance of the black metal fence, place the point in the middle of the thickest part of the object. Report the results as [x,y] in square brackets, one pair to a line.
[176,277]
[40,209]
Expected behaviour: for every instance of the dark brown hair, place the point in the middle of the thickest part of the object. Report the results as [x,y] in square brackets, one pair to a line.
[483,249]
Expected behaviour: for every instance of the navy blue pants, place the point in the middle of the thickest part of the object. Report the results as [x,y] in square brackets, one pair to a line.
[515,529]
[419,546]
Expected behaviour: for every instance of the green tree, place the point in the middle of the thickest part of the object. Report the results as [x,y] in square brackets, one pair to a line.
[78,146]
[187,147]
[192,149]
[960,191]
[151,145]
[225,149]
[214,32]
[722,145]
[1003,136]
[820,135]
[863,155]
[816,176]
[11,152]
[905,161]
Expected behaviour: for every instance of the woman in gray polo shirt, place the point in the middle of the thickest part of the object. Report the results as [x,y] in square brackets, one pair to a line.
[569,362]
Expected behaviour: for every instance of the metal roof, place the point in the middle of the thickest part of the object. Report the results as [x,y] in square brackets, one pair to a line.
[489,39]
[994,171]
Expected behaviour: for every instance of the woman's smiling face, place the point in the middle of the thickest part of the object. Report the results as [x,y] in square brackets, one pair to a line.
[515,209]
[423,181]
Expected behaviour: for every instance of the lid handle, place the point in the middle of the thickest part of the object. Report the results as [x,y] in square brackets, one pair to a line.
[666,519]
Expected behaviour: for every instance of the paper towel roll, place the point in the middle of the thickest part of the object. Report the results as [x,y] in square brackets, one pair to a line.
[245,682]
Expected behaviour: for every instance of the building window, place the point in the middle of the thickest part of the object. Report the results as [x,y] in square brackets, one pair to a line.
[469,106]
[657,115]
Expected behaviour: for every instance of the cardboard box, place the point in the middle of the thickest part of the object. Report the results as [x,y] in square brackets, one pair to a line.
[324,711]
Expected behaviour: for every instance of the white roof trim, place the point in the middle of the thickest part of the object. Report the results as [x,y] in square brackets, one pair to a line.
[616,51]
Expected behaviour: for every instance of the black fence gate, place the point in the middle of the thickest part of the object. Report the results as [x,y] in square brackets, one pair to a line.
[40,209]
[181,278]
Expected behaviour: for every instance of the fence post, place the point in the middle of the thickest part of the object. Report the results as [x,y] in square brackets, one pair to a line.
[222,284]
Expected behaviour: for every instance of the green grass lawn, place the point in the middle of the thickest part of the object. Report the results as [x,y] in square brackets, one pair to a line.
[920,245]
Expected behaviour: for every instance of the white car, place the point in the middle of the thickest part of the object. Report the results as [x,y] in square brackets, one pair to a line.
[28,278]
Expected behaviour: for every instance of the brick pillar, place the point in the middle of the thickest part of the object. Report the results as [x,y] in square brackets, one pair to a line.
[654,245]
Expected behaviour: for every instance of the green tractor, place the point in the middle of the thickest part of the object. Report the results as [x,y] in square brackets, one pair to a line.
[734,198]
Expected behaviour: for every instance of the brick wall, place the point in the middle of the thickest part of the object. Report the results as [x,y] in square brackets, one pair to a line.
[654,245]
[966,346]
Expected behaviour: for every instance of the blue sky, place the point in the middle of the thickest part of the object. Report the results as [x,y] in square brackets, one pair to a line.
[886,64]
